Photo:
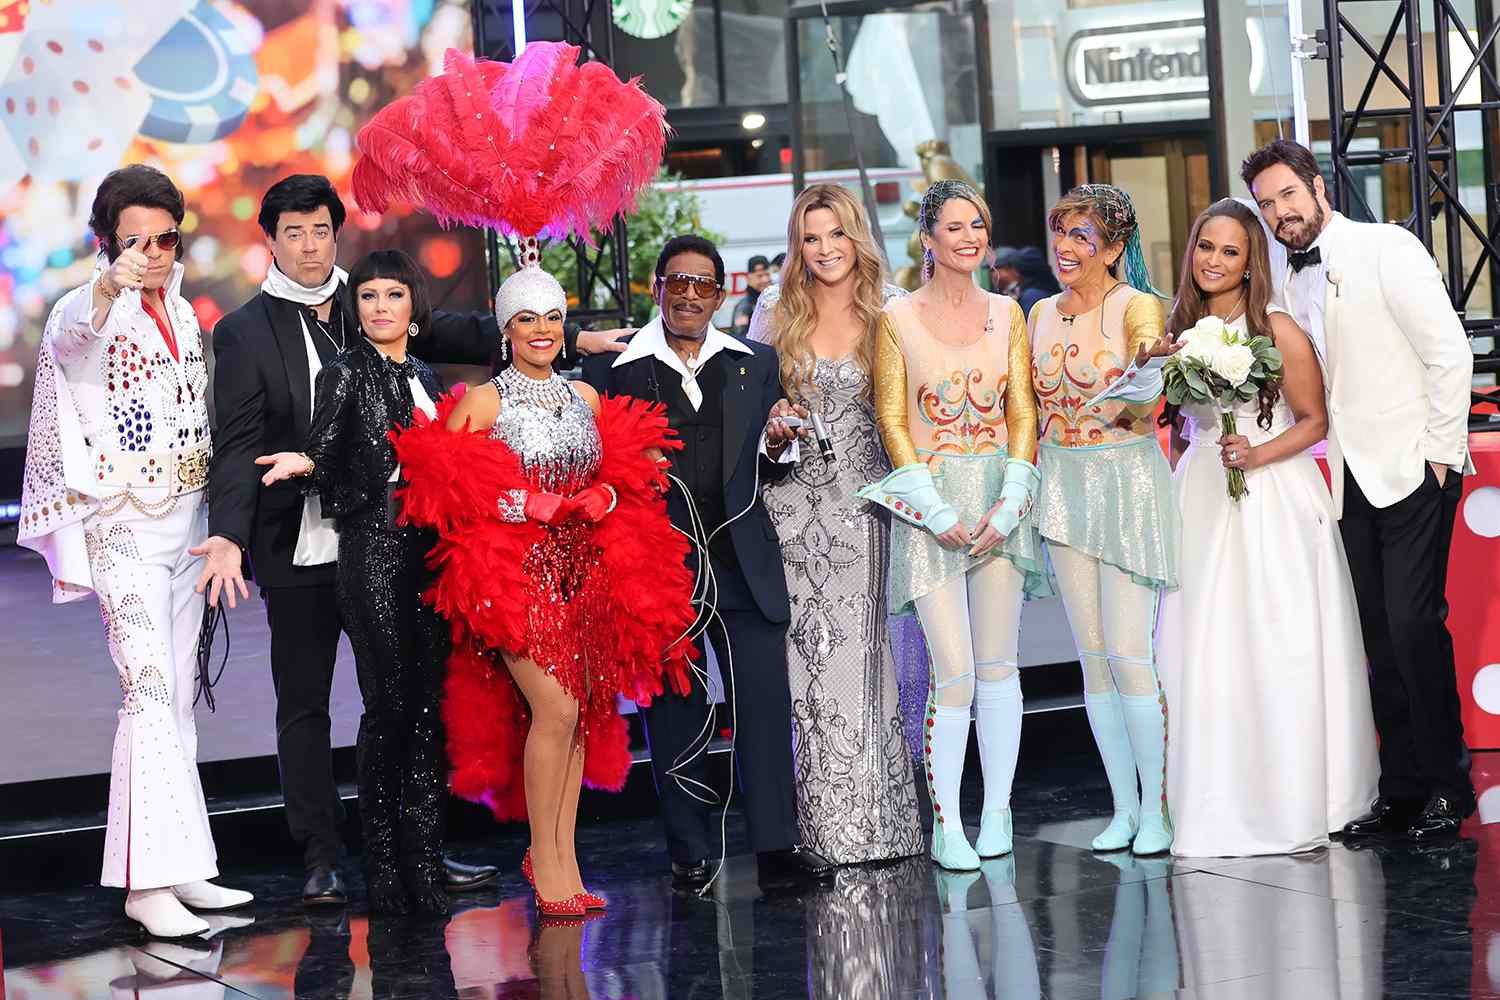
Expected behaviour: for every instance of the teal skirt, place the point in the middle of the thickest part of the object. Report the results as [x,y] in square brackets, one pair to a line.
[920,564]
[1115,503]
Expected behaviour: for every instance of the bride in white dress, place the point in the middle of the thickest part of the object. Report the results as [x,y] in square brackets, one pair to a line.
[1271,742]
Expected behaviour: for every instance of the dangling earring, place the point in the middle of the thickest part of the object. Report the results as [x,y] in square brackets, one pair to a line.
[1246,277]
[412,329]
[504,348]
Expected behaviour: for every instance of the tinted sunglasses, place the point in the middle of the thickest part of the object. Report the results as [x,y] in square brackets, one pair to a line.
[167,241]
[678,284]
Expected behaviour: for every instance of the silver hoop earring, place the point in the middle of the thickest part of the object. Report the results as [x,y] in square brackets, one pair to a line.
[412,329]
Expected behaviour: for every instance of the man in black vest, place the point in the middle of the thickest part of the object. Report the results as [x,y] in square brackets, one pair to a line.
[267,353]
[718,392]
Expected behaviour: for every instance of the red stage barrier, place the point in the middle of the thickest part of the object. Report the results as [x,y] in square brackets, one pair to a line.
[1474,593]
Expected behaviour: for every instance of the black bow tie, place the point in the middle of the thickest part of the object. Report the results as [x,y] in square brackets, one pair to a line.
[1302,258]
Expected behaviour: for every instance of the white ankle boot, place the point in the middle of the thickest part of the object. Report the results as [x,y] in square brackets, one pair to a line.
[207,896]
[161,914]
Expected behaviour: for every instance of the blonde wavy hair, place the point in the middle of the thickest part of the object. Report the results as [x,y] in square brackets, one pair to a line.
[797,311]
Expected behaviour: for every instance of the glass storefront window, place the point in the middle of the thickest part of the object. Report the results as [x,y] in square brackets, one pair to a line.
[754,51]
[722,52]
[681,68]
[913,78]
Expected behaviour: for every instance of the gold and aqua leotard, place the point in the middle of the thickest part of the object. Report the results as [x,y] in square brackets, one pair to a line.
[1106,487]
[961,410]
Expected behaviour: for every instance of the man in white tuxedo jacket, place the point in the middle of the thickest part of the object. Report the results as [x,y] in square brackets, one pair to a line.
[1398,368]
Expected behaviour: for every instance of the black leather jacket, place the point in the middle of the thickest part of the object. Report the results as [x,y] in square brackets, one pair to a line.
[359,396]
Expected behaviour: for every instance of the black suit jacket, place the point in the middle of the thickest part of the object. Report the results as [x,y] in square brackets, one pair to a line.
[752,386]
[263,402]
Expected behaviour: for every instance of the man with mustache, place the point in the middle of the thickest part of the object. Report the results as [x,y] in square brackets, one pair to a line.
[718,392]
[1398,368]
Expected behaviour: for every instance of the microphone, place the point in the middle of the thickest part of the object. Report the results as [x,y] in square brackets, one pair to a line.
[825,443]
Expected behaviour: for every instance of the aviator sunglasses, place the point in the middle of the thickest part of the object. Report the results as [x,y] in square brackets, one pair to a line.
[678,284]
[167,241]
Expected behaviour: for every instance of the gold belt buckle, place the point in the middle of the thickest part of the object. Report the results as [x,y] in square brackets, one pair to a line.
[192,470]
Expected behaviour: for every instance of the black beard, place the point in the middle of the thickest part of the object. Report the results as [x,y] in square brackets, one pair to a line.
[1318,219]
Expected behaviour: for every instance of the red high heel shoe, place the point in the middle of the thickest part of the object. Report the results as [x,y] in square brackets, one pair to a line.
[590,900]
[570,908]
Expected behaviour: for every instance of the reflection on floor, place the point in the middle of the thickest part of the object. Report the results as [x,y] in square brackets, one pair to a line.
[1054,920]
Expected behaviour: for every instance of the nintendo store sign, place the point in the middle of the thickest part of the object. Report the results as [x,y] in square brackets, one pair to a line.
[1139,63]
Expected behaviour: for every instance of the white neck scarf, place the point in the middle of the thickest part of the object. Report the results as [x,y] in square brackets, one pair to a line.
[278,285]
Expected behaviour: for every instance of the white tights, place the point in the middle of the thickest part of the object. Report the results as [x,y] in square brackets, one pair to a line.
[972,626]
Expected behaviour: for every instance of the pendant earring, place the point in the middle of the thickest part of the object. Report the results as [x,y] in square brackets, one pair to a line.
[1246,278]
[412,329]
[504,348]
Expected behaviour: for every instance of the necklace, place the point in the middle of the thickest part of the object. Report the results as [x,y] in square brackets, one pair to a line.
[1229,316]
[550,393]
[326,329]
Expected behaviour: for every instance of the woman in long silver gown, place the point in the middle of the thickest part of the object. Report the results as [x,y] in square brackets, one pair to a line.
[856,798]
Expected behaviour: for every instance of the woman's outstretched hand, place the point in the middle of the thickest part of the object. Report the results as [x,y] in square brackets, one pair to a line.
[284,465]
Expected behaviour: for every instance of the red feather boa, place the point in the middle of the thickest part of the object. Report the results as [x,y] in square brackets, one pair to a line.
[456,479]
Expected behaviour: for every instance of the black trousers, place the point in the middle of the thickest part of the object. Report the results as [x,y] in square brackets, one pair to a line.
[1398,557]
[759,695]
[305,626]
[400,654]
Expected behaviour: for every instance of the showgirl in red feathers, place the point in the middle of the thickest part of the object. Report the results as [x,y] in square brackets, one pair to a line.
[557,568]
[560,574]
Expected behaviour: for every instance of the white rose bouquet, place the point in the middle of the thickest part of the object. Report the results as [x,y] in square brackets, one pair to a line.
[1219,366]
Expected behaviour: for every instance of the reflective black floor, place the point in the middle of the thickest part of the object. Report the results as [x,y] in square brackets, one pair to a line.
[1053,921]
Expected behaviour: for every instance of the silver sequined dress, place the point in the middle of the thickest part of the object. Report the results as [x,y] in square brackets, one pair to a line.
[552,431]
[856,800]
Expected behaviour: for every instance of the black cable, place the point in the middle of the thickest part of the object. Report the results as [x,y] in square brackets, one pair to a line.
[213,618]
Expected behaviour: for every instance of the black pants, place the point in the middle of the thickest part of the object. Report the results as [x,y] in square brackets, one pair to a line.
[1398,557]
[305,626]
[758,692]
[400,651]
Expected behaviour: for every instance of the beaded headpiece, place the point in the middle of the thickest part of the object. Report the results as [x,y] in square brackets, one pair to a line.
[529,290]
[938,194]
[1115,213]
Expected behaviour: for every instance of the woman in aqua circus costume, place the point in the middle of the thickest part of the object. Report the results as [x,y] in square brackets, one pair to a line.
[1105,505]
[954,404]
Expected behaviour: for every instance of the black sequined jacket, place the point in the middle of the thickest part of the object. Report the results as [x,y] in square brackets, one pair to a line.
[360,395]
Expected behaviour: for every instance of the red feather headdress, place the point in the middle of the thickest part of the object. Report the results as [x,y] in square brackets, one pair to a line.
[538,147]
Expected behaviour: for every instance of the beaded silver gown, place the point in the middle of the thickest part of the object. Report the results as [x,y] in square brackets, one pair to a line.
[856,799]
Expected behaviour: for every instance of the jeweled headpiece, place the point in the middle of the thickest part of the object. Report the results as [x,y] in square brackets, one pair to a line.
[529,290]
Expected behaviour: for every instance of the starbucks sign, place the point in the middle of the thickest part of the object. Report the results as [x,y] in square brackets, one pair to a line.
[1139,63]
[650,18]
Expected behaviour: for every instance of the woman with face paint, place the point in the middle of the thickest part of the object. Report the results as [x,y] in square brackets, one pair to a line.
[1105,505]
[954,404]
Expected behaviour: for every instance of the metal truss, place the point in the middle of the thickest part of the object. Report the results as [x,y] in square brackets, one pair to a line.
[1426,150]
[602,283]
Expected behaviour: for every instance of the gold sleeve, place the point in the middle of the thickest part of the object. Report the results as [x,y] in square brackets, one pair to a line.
[1145,323]
[1020,393]
[890,395]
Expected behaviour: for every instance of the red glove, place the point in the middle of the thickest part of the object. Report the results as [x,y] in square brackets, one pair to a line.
[548,508]
[596,501]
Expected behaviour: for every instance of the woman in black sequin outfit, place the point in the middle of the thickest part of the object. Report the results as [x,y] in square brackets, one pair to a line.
[399,643]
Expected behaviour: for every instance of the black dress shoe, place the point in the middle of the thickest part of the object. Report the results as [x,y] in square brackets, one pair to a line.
[797,863]
[691,875]
[1439,819]
[459,877]
[324,887]
[1387,818]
